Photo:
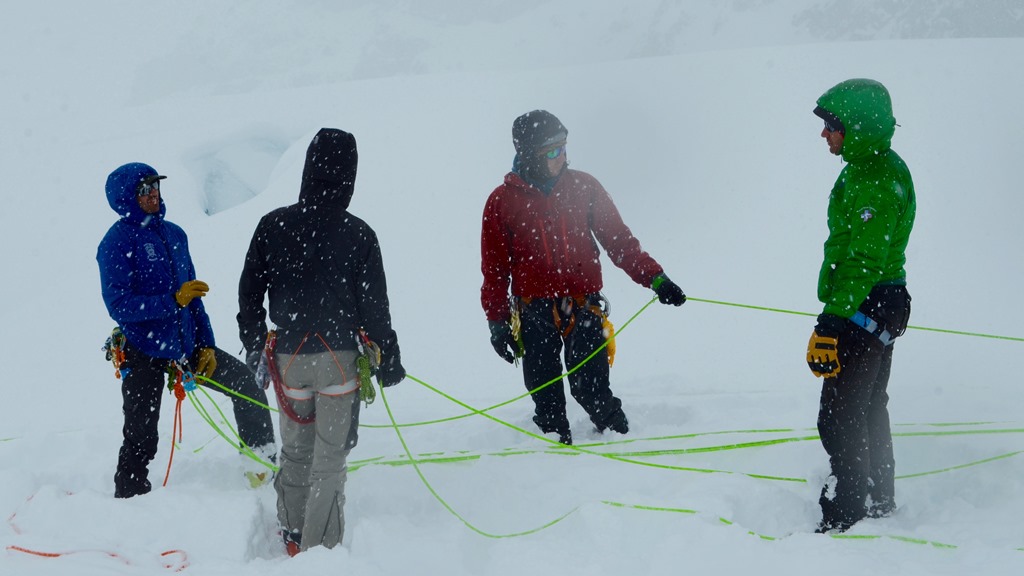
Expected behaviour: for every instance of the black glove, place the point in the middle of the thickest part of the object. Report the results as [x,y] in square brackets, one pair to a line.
[668,291]
[503,341]
[391,371]
[823,347]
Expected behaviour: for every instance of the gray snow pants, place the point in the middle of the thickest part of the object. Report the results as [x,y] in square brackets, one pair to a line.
[311,482]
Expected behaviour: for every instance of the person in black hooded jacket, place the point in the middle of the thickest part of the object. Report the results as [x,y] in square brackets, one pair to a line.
[323,271]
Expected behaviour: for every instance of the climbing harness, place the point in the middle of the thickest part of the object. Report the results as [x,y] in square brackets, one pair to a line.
[873,328]
[114,349]
[367,363]
[275,376]
[563,313]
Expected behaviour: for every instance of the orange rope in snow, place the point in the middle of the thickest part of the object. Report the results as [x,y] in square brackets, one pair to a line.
[177,566]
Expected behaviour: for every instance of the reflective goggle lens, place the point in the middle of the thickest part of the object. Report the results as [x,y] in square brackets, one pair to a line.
[555,152]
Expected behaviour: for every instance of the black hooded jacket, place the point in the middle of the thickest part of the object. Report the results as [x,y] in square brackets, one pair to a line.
[321,266]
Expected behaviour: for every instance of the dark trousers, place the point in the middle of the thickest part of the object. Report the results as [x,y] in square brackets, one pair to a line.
[143,387]
[853,417]
[544,340]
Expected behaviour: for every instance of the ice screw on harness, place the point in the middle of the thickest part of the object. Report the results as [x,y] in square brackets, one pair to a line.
[516,324]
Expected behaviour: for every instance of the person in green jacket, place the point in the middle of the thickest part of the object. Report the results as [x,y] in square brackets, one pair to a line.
[863,286]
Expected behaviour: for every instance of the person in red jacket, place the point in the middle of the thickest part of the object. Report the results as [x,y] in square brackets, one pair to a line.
[541,230]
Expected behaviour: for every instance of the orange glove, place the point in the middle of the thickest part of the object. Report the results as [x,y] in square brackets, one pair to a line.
[189,290]
[823,348]
[822,356]
[207,362]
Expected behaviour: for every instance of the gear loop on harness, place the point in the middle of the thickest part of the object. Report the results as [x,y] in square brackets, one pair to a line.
[175,380]
[368,363]
[516,324]
[114,349]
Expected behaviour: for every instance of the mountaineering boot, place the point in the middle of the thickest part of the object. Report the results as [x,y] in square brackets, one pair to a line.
[562,429]
[128,488]
[256,473]
[881,509]
[616,422]
[833,526]
[292,541]
[562,436]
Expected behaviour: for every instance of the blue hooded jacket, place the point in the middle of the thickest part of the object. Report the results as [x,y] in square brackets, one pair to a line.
[144,260]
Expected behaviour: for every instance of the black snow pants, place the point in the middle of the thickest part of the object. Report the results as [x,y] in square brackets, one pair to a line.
[143,386]
[547,325]
[853,417]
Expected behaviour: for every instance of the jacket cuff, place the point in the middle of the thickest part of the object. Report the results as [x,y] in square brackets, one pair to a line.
[830,325]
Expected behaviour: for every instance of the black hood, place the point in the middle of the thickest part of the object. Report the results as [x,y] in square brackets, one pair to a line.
[329,175]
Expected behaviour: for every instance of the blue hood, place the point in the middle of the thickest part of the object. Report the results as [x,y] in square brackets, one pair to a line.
[121,186]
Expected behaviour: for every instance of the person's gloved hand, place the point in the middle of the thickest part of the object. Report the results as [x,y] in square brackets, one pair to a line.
[823,347]
[189,290]
[668,291]
[502,340]
[207,362]
[391,371]
[252,360]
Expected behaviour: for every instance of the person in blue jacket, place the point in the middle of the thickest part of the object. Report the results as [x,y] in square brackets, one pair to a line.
[150,289]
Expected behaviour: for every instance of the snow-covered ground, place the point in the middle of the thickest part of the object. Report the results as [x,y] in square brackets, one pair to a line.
[696,119]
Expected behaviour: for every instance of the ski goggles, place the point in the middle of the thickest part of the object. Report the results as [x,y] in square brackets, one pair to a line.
[148,185]
[832,122]
[832,127]
[555,152]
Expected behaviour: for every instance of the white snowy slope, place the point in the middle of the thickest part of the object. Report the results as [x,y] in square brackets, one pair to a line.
[695,116]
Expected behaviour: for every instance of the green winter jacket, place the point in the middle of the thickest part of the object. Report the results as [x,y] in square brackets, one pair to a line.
[872,206]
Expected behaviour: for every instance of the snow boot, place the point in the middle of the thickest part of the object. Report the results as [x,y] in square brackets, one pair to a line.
[292,541]
[564,434]
[881,509]
[616,422]
[833,526]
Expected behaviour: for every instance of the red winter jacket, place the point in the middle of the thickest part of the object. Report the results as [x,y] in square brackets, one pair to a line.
[545,243]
